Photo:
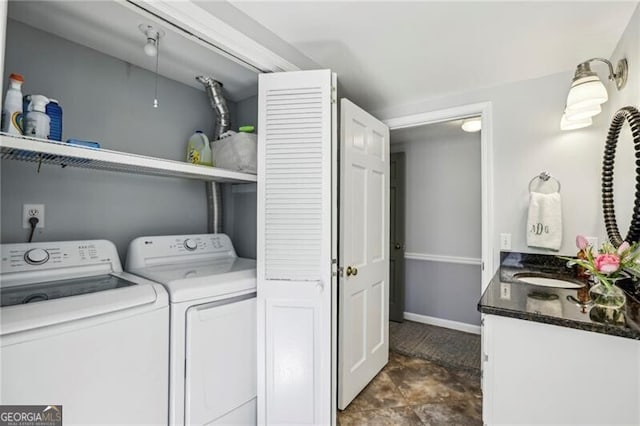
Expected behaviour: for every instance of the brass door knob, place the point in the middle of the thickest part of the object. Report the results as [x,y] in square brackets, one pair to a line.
[351,270]
[398,246]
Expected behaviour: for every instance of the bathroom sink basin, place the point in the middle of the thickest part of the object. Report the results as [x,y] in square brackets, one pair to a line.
[547,280]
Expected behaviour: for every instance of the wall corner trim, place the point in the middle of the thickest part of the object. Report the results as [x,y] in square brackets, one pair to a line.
[439,322]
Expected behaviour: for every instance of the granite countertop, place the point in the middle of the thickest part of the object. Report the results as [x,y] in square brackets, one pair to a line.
[509,297]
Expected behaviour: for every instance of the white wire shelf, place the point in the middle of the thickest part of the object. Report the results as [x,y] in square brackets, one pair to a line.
[66,155]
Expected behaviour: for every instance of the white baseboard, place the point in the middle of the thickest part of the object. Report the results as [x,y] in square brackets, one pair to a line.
[454,325]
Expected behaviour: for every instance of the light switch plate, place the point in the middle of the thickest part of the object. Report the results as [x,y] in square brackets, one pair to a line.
[505,241]
[505,291]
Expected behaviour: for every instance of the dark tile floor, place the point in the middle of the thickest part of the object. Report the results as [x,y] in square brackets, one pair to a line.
[413,391]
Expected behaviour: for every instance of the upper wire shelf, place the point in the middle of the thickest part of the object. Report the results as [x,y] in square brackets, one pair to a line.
[65,155]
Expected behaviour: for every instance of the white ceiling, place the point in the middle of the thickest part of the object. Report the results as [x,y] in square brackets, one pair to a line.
[112,28]
[393,53]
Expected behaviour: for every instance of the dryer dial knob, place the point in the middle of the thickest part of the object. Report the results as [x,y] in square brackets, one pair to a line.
[190,244]
[36,256]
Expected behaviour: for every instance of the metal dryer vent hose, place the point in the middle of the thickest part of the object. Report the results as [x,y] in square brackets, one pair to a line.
[214,207]
[218,103]
[214,190]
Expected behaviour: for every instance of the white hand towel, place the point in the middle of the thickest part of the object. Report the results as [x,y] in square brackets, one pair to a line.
[544,224]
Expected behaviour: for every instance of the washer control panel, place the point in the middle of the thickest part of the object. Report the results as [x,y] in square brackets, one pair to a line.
[190,244]
[142,251]
[65,254]
[36,256]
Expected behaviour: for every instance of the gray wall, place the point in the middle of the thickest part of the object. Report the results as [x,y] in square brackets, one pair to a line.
[443,218]
[443,290]
[247,112]
[443,215]
[240,221]
[109,101]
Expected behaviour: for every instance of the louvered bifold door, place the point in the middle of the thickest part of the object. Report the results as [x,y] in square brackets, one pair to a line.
[295,145]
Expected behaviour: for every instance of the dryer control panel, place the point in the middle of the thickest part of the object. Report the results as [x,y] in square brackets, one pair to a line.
[179,248]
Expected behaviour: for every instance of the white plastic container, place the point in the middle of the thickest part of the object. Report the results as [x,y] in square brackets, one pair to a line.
[37,123]
[238,152]
[12,107]
[198,149]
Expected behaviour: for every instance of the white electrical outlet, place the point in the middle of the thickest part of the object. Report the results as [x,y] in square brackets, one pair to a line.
[32,210]
[505,241]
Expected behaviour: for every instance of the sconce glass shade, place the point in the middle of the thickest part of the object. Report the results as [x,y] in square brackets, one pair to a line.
[581,114]
[574,124]
[586,91]
[472,124]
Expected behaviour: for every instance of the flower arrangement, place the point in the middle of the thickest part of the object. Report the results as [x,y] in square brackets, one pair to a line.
[609,263]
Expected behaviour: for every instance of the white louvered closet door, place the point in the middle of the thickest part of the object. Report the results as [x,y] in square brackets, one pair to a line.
[296,144]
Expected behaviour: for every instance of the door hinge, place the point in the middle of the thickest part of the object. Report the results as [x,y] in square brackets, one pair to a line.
[335,270]
[483,266]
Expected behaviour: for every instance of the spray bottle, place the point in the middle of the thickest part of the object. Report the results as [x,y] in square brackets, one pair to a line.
[37,122]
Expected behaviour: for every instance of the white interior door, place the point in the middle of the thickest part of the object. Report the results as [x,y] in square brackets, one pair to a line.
[296,145]
[363,290]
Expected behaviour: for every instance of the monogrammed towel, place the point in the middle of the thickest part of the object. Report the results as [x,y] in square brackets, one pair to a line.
[544,224]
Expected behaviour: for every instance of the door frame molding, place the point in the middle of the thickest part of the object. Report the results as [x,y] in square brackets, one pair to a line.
[485,111]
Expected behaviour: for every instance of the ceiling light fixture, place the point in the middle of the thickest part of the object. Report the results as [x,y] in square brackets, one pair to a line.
[153,37]
[588,92]
[471,125]
[151,49]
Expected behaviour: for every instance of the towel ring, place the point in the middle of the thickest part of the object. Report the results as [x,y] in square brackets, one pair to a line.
[544,176]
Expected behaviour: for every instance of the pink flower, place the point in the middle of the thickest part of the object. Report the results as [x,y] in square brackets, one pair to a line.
[581,242]
[624,246]
[607,263]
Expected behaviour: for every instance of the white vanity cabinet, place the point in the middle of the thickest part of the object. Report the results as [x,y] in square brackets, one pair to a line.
[536,373]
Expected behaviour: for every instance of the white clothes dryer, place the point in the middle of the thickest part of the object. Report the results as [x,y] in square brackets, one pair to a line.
[77,331]
[213,325]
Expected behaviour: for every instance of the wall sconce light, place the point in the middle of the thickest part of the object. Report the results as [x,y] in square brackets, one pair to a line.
[587,93]
[574,124]
[471,125]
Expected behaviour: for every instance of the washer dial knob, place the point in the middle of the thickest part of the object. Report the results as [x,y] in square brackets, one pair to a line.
[190,244]
[36,256]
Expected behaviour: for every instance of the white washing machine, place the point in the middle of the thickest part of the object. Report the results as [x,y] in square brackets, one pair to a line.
[77,331]
[213,325]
